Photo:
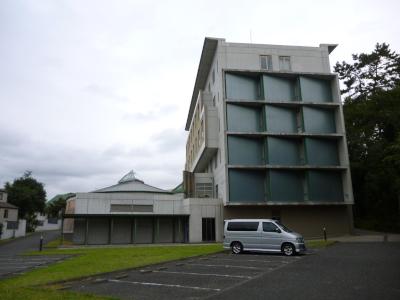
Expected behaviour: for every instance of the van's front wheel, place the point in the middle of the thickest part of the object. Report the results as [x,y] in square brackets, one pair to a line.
[236,247]
[288,249]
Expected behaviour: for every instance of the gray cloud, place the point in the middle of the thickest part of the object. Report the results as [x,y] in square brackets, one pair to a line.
[103,91]
[92,89]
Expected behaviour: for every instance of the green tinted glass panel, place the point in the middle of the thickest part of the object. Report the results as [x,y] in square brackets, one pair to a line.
[246,186]
[239,87]
[325,186]
[283,151]
[279,88]
[286,186]
[280,120]
[321,152]
[317,120]
[242,118]
[245,151]
[315,90]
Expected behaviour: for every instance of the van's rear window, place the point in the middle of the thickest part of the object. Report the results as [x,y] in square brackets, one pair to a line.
[242,226]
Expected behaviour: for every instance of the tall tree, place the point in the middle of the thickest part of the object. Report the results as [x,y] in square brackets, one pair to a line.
[57,204]
[369,72]
[372,113]
[28,194]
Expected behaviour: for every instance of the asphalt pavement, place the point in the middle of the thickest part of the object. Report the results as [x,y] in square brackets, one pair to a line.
[342,271]
[27,243]
[12,263]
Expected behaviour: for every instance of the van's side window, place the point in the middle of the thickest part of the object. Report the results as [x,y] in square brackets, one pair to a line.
[269,227]
[242,226]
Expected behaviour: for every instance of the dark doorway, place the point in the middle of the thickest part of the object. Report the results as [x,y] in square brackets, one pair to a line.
[208,229]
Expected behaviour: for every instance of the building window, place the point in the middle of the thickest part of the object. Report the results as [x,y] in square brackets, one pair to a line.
[216,191]
[204,190]
[5,213]
[216,161]
[284,63]
[208,229]
[266,62]
[213,76]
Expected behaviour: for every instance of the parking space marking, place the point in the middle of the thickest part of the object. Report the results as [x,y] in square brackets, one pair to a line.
[164,285]
[254,260]
[205,274]
[225,266]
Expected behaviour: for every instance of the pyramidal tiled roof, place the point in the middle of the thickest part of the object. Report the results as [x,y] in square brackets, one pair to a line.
[129,183]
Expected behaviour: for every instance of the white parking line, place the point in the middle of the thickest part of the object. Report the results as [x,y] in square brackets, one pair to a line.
[225,266]
[253,260]
[204,274]
[164,284]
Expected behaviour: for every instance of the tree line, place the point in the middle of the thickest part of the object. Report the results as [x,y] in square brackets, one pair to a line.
[371,92]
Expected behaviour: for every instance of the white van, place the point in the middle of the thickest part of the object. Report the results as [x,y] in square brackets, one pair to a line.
[261,235]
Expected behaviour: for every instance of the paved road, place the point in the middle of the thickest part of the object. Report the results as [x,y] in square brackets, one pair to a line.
[11,261]
[28,243]
[342,271]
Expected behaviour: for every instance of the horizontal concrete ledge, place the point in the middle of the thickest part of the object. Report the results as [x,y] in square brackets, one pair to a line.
[326,105]
[291,167]
[285,74]
[117,215]
[308,203]
[287,135]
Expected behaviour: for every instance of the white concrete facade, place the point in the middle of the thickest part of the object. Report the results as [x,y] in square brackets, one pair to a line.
[14,233]
[219,57]
[246,57]
[136,204]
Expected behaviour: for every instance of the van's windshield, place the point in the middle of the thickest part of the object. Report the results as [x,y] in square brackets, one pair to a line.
[283,226]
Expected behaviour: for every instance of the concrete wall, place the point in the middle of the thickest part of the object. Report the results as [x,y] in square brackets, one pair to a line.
[204,208]
[247,56]
[13,233]
[307,220]
[100,203]
[12,214]
[3,196]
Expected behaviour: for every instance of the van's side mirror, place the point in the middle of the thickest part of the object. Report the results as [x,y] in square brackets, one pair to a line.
[278,230]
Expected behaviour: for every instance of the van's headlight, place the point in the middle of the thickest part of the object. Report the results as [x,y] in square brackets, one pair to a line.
[300,240]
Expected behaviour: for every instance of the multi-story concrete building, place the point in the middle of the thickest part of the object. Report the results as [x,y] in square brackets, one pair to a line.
[266,131]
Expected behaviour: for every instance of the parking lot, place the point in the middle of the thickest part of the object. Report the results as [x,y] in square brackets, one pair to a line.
[12,265]
[194,278]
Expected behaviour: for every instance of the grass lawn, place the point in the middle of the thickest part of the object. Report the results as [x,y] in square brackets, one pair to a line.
[90,261]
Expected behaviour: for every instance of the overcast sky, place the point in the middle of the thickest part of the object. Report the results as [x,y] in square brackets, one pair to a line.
[92,89]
